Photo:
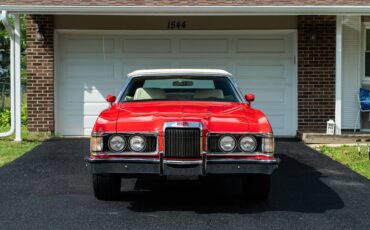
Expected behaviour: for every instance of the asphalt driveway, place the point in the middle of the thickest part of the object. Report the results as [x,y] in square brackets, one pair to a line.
[50,188]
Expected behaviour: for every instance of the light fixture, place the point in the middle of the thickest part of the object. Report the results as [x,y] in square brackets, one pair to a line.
[312,35]
[40,33]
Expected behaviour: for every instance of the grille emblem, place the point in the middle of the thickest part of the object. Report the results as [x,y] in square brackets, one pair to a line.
[182,124]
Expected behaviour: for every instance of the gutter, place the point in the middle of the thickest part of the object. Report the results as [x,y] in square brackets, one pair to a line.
[189,10]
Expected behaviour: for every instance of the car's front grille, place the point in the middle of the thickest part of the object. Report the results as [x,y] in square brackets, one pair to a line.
[182,142]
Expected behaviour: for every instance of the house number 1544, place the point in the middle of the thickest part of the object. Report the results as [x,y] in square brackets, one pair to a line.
[176,25]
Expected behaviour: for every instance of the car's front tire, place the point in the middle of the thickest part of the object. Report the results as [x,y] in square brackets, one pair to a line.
[256,186]
[106,186]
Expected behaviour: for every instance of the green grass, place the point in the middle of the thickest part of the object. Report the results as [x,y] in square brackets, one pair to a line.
[348,156]
[10,150]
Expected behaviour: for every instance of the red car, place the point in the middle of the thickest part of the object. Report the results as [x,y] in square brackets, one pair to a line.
[181,122]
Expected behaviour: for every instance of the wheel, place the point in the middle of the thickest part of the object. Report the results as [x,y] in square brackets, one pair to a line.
[256,186]
[106,186]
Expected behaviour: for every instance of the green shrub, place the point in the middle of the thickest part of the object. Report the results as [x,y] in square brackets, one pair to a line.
[5,117]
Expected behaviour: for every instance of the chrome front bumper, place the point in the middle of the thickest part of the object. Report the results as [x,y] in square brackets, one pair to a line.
[161,166]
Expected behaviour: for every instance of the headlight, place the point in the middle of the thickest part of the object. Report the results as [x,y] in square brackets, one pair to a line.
[227,143]
[116,143]
[137,143]
[96,144]
[248,143]
[268,145]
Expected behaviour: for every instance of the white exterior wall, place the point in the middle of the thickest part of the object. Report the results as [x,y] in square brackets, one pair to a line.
[351,69]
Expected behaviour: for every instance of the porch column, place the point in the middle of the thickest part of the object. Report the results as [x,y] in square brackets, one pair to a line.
[338,76]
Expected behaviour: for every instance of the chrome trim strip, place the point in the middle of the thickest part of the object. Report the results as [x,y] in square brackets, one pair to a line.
[182,124]
[156,160]
[179,162]
[124,154]
[118,159]
[229,160]
[239,154]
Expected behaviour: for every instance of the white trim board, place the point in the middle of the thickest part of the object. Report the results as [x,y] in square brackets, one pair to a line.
[188,10]
[338,76]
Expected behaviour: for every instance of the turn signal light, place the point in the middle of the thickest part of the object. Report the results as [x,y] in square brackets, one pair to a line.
[96,144]
[268,145]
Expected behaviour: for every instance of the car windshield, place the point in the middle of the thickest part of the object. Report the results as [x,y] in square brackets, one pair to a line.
[187,88]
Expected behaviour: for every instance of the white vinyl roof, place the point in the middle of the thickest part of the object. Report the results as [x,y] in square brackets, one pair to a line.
[179,72]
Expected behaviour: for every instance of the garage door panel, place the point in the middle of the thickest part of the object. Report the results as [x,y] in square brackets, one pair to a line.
[89,45]
[88,70]
[261,45]
[147,46]
[93,66]
[204,46]
[257,74]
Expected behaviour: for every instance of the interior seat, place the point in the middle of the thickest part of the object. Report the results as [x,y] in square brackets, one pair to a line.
[209,93]
[149,93]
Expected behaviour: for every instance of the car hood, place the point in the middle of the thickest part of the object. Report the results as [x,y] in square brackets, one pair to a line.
[214,116]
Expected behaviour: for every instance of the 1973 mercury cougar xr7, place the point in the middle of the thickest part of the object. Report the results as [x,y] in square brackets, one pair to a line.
[181,122]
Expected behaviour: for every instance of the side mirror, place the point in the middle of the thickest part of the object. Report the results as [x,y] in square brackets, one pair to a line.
[249,97]
[111,99]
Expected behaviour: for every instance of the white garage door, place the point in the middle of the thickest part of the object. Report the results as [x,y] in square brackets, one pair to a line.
[90,66]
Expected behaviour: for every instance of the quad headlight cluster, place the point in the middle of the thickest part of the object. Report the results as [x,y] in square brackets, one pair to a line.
[238,143]
[246,143]
[118,143]
[123,143]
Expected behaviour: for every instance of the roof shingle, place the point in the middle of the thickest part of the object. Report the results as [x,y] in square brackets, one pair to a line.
[187,2]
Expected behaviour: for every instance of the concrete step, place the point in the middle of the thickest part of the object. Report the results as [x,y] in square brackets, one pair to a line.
[322,138]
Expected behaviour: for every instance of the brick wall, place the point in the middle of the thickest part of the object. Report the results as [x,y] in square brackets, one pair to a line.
[40,74]
[316,72]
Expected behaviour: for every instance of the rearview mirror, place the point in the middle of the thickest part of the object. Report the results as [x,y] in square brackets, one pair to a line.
[111,99]
[249,97]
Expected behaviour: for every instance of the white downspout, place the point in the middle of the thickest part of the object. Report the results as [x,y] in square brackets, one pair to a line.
[4,19]
[15,75]
[17,78]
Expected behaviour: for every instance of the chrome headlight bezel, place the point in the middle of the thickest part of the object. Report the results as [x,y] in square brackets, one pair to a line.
[252,139]
[232,138]
[119,139]
[131,144]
